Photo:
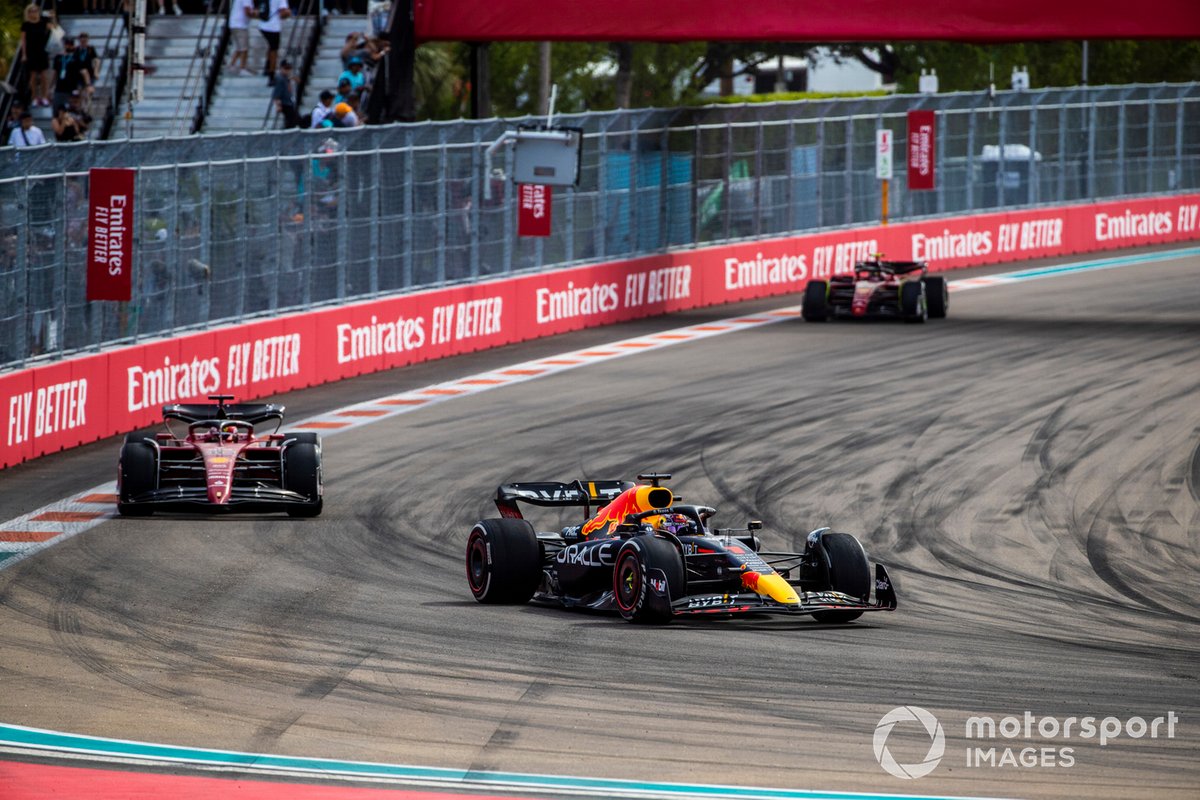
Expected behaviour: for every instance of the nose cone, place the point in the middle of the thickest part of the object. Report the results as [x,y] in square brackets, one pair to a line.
[772,585]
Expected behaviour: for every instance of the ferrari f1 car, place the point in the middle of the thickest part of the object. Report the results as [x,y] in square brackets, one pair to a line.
[878,288]
[652,559]
[214,458]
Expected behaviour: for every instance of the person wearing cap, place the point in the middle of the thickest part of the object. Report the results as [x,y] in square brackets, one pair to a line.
[88,56]
[344,116]
[322,109]
[71,75]
[26,134]
[343,91]
[284,95]
[354,74]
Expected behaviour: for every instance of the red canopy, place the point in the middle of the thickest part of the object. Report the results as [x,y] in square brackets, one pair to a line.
[800,21]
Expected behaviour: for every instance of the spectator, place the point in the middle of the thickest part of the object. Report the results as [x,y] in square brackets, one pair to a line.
[14,120]
[354,74]
[322,109]
[343,91]
[162,7]
[71,75]
[354,101]
[277,12]
[66,126]
[285,95]
[343,116]
[88,56]
[26,134]
[76,109]
[35,35]
[240,12]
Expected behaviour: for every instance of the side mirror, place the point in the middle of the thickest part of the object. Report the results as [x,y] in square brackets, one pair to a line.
[754,525]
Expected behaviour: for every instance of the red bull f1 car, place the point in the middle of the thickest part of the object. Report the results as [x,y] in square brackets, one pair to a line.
[878,288]
[652,559]
[215,458]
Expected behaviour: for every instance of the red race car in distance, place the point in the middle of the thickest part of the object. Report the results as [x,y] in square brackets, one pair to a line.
[878,288]
[214,458]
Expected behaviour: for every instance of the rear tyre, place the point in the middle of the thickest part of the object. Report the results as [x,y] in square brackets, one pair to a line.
[849,573]
[504,561]
[302,474]
[937,297]
[912,301]
[816,302]
[647,576]
[137,473]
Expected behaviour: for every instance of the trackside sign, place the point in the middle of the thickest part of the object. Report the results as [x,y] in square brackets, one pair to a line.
[110,234]
[79,400]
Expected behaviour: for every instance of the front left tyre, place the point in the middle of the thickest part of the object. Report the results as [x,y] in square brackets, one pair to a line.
[816,302]
[648,574]
[504,561]
[137,473]
[912,301]
[302,474]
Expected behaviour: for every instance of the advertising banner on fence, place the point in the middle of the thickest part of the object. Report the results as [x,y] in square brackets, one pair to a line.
[71,402]
[110,234]
[921,150]
[533,210]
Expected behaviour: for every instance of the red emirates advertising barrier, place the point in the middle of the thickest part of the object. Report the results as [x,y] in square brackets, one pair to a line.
[79,400]
[110,234]
[921,150]
[533,210]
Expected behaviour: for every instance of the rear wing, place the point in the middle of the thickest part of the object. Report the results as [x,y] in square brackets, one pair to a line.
[584,494]
[894,267]
[254,413]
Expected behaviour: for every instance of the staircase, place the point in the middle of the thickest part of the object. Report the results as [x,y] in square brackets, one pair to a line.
[327,65]
[243,103]
[178,57]
[108,36]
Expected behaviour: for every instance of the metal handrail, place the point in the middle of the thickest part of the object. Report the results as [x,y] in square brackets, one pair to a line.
[297,47]
[114,70]
[210,83]
[211,28]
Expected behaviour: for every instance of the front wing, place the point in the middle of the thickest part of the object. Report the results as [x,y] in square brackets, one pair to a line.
[240,497]
[810,602]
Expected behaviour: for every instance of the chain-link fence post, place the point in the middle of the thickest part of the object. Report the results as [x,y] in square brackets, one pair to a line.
[206,212]
[1093,112]
[1122,121]
[474,214]
[406,268]
[972,119]
[343,199]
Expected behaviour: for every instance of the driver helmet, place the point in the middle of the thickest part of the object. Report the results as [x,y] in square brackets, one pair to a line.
[672,523]
[229,432]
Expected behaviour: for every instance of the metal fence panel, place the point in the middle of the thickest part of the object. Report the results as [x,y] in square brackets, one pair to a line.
[236,226]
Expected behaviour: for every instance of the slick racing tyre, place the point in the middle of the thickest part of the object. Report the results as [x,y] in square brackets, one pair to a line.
[912,301]
[504,561]
[816,302]
[647,576]
[302,474]
[937,297]
[304,437]
[137,473]
[849,573]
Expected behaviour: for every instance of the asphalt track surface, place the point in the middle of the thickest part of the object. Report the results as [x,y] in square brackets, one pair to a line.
[1028,469]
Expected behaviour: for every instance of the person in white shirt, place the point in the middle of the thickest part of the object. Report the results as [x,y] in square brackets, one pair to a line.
[240,12]
[270,27]
[26,134]
[322,109]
